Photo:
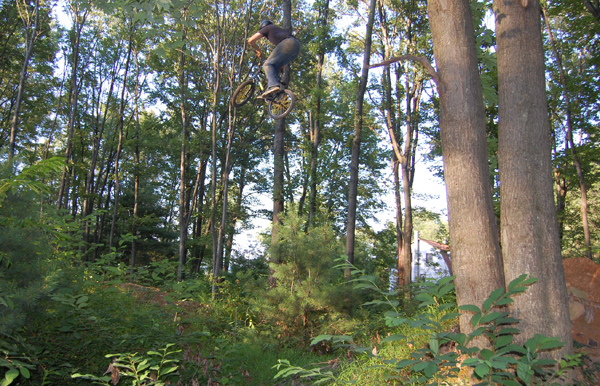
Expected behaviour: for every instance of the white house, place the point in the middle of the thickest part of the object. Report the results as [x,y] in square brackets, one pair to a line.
[431,260]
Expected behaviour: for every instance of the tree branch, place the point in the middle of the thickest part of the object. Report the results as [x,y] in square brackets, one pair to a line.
[420,59]
[594,9]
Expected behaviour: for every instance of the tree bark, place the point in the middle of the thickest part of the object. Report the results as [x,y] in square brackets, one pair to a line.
[30,38]
[476,256]
[355,160]
[530,241]
[216,259]
[279,151]
[136,167]
[120,145]
[183,215]
[315,129]
[78,24]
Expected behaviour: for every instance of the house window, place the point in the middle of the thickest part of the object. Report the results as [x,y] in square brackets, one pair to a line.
[429,258]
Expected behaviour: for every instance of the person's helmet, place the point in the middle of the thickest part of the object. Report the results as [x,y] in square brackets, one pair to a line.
[265,23]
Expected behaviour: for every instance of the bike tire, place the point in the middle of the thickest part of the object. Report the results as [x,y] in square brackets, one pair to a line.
[281,104]
[243,93]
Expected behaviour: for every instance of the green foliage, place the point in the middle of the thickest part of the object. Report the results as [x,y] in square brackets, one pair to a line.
[306,298]
[499,361]
[157,368]
[315,375]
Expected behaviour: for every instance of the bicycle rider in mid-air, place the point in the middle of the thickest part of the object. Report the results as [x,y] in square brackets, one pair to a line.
[287,48]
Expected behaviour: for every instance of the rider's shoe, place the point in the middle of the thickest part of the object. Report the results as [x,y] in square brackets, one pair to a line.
[270,91]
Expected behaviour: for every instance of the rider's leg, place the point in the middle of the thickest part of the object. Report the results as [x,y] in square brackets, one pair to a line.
[282,54]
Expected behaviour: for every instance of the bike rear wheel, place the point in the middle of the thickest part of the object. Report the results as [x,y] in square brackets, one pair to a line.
[243,93]
[281,104]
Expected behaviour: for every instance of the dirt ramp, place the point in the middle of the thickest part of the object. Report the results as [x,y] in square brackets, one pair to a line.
[583,285]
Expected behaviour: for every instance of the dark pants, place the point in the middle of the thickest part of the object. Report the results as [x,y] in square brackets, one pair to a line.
[282,54]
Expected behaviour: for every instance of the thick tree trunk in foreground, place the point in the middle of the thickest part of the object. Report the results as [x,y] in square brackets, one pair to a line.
[530,237]
[476,256]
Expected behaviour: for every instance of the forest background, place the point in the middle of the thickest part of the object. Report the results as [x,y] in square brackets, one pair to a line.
[125,170]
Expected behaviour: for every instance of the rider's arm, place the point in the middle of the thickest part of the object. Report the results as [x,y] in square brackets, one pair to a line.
[253,42]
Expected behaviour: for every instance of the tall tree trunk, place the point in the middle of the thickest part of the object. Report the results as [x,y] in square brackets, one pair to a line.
[78,24]
[216,261]
[183,227]
[358,121]
[225,181]
[120,144]
[530,242]
[30,38]
[279,150]
[236,211]
[88,203]
[476,256]
[315,129]
[570,144]
[402,265]
[136,167]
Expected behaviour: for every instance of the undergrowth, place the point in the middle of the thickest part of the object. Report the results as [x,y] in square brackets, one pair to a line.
[424,349]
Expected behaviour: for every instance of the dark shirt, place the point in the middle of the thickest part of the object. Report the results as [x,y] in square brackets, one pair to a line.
[274,34]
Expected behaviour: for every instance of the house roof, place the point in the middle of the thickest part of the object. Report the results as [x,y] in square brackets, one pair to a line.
[439,246]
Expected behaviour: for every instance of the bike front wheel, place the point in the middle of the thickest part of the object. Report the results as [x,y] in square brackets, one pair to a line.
[243,93]
[281,104]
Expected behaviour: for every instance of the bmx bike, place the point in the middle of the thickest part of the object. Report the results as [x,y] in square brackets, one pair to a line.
[279,103]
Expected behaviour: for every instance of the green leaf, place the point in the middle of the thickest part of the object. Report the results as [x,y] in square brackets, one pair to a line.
[420,366]
[550,345]
[424,297]
[24,372]
[449,316]
[475,319]
[504,301]
[543,362]
[508,330]
[406,362]
[446,279]
[445,289]
[486,354]
[471,362]
[515,282]
[490,317]
[366,286]
[470,307]
[143,365]
[372,302]
[495,295]
[509,382]
[531,344]
[434,343]
[459,338]
[529,281]
[499,364]
[320,338]
[430,369]
[481,370]
[11,375]
[171,369]
[512,348]
[504,340]
[393,338]
[524,372]
[507,320]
